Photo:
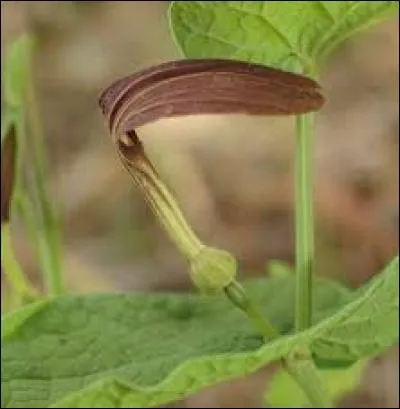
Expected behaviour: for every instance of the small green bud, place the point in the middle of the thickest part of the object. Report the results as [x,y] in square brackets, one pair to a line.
[212,270]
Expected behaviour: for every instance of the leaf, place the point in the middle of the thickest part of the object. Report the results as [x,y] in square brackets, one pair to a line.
[149,348]
[367,326]
[16,71]
[12,321]
[133,350]
[284,393]
[287,35]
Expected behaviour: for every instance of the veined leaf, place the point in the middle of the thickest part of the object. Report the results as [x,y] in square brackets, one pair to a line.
[367,326]
[144,348]
[288,35]
[11,321]
[132,350]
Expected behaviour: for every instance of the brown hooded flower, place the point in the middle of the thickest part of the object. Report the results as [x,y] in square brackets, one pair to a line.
[190,87]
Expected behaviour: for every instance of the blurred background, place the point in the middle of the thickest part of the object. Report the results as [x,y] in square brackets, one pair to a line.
[233,175]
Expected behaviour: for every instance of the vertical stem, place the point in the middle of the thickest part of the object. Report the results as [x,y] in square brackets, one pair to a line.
[304,222]
[304,372]
[13,270]
[48,231]
[301,366]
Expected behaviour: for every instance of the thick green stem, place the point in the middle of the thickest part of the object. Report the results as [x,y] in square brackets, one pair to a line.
[300,365]
[304,222]
[302,369]
[13,270]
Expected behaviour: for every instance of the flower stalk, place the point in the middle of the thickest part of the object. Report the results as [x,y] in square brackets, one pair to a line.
[211,269]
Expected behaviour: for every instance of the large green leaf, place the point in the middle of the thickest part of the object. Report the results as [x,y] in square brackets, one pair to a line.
[284,34]
[133,350]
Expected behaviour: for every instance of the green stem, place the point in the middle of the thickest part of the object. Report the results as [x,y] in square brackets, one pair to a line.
[12,269]
[304,372]
[237,295]
[304,222]
[299,365]
[48,231]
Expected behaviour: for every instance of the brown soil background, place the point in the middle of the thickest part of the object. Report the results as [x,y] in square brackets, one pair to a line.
[233,176]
